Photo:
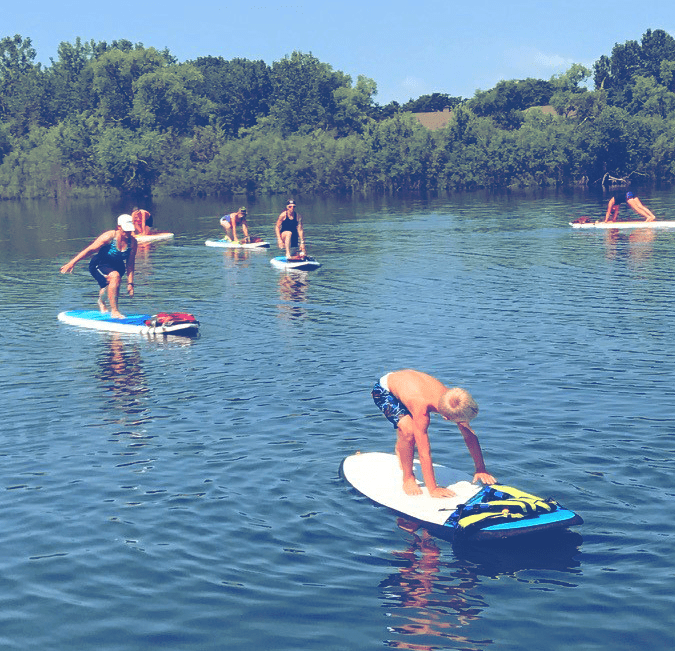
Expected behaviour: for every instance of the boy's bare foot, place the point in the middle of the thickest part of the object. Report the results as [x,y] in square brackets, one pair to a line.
[410,487]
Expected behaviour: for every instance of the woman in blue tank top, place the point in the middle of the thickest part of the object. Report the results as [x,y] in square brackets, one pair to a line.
[114,255]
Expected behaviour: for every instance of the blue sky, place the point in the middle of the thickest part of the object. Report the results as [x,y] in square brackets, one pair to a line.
[410,48]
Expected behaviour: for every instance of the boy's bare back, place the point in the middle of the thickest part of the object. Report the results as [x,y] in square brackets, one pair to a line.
[419,392]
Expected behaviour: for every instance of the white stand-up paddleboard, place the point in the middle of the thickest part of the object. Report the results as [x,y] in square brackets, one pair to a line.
[476,513]
[163,323]
[631,224]
[229,244]
[298,263]
[153,237]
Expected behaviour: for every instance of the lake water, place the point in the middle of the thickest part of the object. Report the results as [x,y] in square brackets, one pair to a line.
[184,493]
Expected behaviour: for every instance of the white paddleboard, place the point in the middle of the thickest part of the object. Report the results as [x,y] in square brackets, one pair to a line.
[229,244]
[299,263]
[145,324]
[378,476]
[153,237]
[632,224]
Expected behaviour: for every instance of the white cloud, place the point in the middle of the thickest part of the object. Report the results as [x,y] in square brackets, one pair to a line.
[552,61]
[413,86]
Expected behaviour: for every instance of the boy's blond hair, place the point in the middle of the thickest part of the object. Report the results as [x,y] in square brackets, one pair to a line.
[458,406]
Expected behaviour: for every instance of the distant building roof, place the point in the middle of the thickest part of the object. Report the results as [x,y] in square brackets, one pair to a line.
[546,110]
[438,119]
[434,120]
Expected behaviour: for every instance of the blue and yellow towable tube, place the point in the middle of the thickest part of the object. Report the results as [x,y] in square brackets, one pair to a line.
[501,511]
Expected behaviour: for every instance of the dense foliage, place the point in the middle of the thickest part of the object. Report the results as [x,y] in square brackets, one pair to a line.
[122,117]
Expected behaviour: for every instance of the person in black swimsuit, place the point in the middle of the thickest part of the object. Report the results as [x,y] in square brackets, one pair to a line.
[632,202]
[289,231]
[115,255]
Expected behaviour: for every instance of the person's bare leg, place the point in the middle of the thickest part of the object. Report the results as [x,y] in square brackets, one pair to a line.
[101,301]
[286,239]
[641,209]
[114,280]
[405,451]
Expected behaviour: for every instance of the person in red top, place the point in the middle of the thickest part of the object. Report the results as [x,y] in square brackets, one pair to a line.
[142,221]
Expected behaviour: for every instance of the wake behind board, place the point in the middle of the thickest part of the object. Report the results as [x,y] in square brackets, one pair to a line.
[153,237]
[476,513]
[164,323]
[229,244]
[298,263]
[632,224]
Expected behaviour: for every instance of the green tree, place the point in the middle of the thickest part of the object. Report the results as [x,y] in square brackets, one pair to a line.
[131,162]
[70,80]
[114,75]
[303,94]
[431,103]
[166,99]
[353,106]
[22,96]
[568,96]
[240,91]
[656,46]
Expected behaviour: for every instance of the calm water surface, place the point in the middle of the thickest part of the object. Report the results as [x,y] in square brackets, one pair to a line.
[184,493]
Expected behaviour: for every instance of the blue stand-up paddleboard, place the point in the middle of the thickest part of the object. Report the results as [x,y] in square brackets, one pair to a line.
[163,323]
[297,263]
[476,513]
[256,243]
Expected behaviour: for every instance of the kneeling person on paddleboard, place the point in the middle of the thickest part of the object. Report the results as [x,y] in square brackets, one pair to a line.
[142,221]
[407,398]
[290,235]
[230,222]
[115,255]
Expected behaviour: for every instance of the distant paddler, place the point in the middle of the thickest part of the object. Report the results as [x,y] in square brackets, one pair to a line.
[230,223]
[142,221]
[290,235]
[114,255]
[632,202]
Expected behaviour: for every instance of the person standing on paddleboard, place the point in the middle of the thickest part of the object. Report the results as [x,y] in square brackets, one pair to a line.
[230,222]
[289,231]
[115,255]
[632,202]
[407,398]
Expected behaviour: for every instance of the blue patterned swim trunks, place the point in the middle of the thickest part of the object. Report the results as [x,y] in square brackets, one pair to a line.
[389,404]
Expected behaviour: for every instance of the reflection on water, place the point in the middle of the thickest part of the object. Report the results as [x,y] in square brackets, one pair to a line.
[635,246]
[121,374]
[429,598]
[293,287]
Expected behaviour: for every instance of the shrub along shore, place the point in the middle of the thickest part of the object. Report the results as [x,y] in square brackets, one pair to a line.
[122,118]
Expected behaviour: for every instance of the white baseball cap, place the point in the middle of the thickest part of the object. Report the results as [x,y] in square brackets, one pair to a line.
[126,222]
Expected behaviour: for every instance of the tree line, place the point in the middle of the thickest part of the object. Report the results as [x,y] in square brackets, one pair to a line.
[123,118]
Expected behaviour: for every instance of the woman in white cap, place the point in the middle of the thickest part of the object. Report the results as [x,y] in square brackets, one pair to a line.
[115,255]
